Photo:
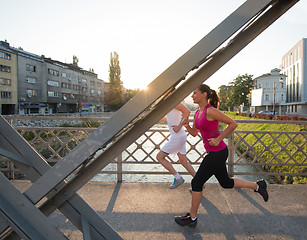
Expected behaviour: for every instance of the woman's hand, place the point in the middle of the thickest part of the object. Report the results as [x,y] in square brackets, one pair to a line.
[185,121]
[177,128]
[214,141]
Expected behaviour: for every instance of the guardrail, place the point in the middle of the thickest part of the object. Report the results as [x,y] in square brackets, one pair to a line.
[269,153]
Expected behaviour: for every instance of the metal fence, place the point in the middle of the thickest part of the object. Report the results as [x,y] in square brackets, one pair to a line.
[269,153]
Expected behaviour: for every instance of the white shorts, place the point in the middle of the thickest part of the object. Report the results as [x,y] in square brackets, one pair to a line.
[176,144]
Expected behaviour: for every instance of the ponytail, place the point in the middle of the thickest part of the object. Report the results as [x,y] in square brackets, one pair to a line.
[213,97]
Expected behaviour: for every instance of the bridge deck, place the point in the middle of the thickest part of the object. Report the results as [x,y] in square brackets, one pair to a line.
[146,211]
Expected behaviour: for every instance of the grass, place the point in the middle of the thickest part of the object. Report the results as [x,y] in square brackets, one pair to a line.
[280,145]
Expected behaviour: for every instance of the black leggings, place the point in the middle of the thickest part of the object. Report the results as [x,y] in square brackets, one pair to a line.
[213,164]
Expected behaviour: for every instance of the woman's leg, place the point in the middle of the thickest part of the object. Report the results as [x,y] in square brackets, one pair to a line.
[222,176]
[185,162]
[241,183]
[204,172]
[161,157]
[195,202]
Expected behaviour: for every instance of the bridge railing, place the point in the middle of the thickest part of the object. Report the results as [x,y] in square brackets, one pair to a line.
[269,153]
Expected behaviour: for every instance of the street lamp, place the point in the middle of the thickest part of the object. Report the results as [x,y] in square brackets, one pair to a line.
[280,80]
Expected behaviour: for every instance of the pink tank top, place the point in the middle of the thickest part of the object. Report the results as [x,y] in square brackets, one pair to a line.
[208,129]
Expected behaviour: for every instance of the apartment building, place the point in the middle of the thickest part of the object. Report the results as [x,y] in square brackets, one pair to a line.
[294,66]
[8,80]
[45,86]
[269,92]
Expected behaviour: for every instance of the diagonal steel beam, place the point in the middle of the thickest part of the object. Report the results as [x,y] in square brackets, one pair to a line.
[25,218]
[130,111]
[13,145]
[235,45]
[161,108]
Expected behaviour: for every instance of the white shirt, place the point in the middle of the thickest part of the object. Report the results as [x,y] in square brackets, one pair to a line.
[173,119]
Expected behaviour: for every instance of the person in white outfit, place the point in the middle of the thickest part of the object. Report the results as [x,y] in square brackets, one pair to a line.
[176,144]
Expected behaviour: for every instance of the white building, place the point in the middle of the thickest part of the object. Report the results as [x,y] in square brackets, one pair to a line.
[269,92]
[294,66]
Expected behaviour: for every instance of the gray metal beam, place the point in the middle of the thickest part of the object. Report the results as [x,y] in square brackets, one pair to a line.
[130,111]
[11,155]
[29,222]
[126,129]
[235,45]
[14,145]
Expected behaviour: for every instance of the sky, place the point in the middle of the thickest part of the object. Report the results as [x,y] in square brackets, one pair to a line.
[148,35]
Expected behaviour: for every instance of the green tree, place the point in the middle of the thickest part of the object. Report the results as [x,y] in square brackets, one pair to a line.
[115,95]
[240,90]
[224,93]
[75,60]
[130,93]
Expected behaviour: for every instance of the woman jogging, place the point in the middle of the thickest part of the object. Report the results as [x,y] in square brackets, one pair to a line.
[176,144]
[206,120]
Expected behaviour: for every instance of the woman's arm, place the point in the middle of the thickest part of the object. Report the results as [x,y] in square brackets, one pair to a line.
[215,114]
[192,130]
[185,115]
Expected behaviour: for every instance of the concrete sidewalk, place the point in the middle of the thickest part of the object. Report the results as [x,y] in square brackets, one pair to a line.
[146,211]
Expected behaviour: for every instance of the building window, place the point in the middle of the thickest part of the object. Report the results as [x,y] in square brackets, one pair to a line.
[92,83]
[53,72]
[267,97]
[31,92]
[76,87]
[53,83]
[30,68]
[30,80]
[65,85]
[66,75]
[282,97]
[5,55]
[6,82]
[259,86]
[98,92]
[5,68]
[92,91]
[53,94]
[267,85]
[6,94]
[84,81]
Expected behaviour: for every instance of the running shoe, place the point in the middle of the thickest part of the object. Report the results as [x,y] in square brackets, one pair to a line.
[176,183]
[186,220]
[262,190]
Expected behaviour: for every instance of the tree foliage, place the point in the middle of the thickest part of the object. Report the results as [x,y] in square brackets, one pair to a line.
[75,60]
[237,92]
[115,96]
[224,93]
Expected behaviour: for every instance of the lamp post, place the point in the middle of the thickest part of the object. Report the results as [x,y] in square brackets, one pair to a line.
[274,91]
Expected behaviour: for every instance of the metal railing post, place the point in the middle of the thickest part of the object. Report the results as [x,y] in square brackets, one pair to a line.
[119,160]
[10,166]
[231,155]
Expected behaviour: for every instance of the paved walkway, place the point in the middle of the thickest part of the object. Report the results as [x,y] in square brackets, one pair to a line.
[146,211]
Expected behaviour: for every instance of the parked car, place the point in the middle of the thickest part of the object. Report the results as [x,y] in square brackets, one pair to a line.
[251,112]
[268,112]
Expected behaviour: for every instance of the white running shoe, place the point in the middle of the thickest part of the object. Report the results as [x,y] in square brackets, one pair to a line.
[176,183]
